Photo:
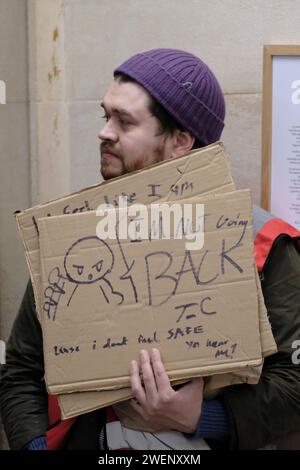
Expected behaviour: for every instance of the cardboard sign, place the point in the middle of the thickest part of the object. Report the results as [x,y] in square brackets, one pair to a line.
[157,183]
[200,308]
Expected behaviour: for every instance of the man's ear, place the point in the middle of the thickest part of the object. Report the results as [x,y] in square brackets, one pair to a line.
[183,142]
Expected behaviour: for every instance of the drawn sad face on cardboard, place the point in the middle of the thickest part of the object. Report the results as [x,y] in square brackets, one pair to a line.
[88,260]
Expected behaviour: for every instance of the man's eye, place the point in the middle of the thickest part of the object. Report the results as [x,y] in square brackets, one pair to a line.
[123,122]
[105,116]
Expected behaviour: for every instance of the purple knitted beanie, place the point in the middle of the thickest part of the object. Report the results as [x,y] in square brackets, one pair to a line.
[184,86]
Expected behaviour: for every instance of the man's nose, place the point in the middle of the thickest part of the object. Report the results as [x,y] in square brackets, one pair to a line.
[108,132]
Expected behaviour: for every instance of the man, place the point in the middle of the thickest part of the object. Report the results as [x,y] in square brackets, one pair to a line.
[161,104]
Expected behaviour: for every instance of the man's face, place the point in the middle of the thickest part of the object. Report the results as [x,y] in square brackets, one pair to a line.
[130,138]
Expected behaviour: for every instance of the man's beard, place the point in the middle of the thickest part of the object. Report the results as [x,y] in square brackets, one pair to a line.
[120,166]
[108,171]
[107,166]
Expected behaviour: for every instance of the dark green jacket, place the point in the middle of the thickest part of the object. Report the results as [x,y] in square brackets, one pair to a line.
[261,413]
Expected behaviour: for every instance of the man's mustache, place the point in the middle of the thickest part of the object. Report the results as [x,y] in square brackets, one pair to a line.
[105,148]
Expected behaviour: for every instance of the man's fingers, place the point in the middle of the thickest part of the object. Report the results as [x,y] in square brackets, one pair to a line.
[193,390]
[161,377]
[148,375]
[136,386]
[137,407]
[198,383]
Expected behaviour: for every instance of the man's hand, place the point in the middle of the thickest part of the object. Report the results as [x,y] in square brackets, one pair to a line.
[157,402]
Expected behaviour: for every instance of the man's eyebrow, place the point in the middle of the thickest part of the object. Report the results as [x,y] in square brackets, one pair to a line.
[120,111]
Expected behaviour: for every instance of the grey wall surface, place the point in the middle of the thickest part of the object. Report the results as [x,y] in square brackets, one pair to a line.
[94,36]
[14,155]
[14,158]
